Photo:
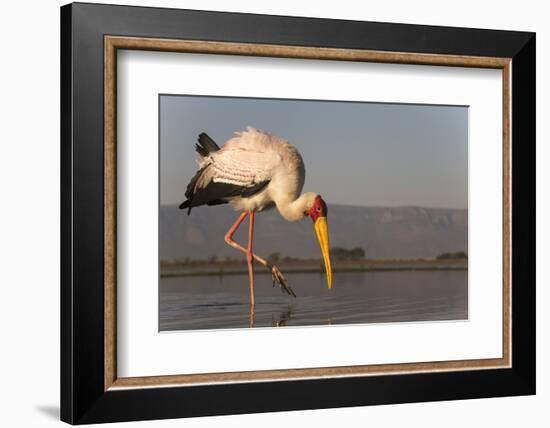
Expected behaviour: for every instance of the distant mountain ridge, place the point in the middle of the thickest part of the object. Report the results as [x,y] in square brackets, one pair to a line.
[383,232]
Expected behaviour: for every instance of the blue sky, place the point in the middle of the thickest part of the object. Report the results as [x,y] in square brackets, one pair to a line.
[367,154]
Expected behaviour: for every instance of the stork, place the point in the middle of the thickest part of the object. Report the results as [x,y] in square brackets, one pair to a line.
[255,171]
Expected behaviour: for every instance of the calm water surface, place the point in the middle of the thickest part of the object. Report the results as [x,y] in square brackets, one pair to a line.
[359,297]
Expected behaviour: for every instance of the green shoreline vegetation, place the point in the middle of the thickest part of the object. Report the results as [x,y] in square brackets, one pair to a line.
[343,260]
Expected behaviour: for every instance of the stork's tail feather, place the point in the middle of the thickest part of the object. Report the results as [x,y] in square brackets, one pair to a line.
[206,145]
[186,204]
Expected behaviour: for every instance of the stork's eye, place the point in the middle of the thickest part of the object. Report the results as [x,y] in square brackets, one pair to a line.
[306,213]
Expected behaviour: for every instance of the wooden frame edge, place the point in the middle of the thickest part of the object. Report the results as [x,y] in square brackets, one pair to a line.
[109,176]
[299,374]
[301,52]
[112,43]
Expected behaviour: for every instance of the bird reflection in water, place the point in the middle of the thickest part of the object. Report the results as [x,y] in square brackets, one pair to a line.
[251,317]
[281,319]
[278,319]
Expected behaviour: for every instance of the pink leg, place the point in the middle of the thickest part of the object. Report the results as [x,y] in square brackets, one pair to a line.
[278,276]
[233,229]
[250,256]
[229,240]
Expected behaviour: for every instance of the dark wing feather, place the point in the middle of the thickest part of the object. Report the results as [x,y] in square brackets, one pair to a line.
[217,202]
[247,192]
[216,193]
[206,145]
[191,186]
[213,192]
[187,204]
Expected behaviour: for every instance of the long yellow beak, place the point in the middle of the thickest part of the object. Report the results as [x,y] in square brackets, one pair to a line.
[321,228]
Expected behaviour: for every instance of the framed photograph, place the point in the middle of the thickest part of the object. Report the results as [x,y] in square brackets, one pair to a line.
[266,213]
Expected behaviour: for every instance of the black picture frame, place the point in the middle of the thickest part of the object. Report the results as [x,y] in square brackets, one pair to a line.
[83,398]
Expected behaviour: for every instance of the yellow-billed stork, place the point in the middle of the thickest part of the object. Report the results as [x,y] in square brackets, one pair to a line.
[254,171]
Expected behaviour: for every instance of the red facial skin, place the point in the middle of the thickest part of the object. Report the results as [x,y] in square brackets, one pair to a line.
[318,209]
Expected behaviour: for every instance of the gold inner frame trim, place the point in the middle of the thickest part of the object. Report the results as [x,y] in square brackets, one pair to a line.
[113,43]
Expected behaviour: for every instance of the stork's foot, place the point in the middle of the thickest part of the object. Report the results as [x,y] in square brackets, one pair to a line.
[280,280]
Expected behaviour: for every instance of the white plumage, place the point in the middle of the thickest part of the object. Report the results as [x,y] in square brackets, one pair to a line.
[252,157]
